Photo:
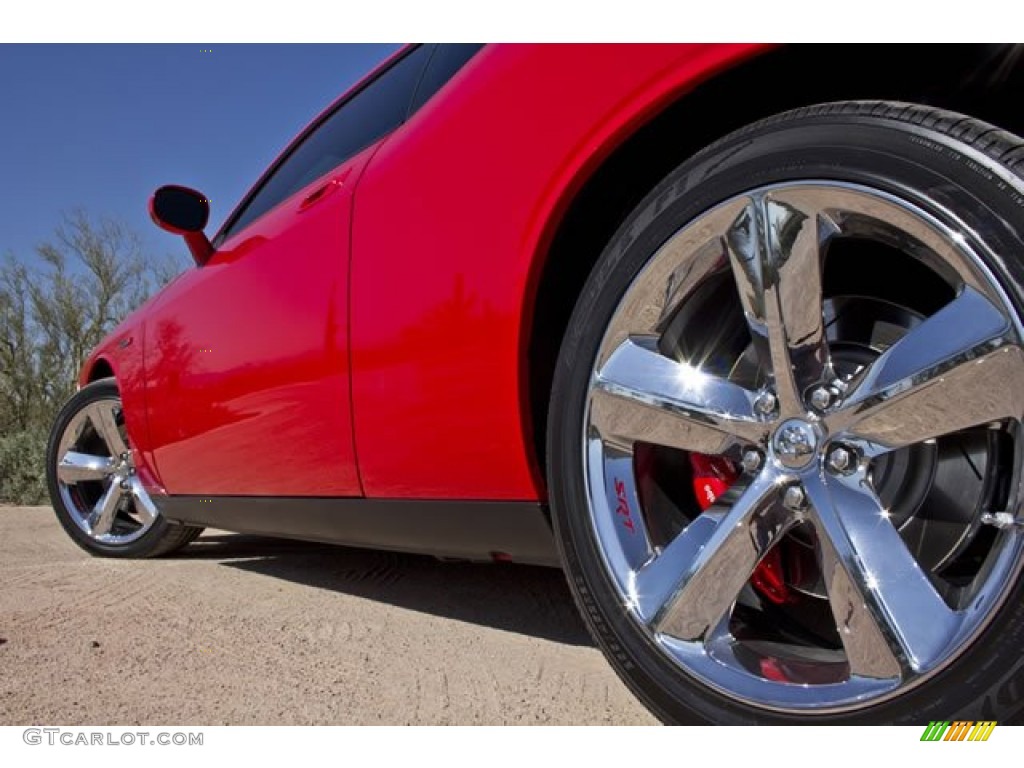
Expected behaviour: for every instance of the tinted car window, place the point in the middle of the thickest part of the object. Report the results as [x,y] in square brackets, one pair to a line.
[448,59]
[371,113]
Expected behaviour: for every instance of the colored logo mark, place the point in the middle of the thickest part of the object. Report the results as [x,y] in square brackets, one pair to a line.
[959,730]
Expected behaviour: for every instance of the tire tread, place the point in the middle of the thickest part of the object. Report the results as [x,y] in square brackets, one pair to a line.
[993,141]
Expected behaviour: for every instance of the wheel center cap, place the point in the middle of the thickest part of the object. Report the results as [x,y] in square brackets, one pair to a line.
[795,443]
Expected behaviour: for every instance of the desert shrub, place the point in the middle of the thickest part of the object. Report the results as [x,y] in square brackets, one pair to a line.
[22,467]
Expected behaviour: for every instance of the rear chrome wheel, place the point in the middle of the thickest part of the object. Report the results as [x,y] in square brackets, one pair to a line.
[827,426]
[797,434]
[98,498]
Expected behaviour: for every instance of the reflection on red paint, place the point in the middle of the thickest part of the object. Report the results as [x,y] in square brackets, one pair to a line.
[375,343]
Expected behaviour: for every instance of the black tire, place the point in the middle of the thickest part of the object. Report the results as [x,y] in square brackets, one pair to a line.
[928,156]
[162,538]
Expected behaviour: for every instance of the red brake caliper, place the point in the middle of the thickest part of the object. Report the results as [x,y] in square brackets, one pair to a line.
[712,476]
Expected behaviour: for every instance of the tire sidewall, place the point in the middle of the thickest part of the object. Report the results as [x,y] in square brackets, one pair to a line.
[923,166]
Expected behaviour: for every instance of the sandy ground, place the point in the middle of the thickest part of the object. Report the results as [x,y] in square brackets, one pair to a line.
[239,629]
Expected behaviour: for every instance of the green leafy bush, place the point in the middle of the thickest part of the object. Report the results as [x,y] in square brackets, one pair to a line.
[22,468]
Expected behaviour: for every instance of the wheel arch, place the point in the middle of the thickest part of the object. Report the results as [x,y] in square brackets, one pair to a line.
[728,93]
[96,369]
[119,356]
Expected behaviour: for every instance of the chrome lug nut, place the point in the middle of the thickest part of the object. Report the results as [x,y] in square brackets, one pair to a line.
[1001,520]
[822,398]
[841,459]
[765,404]
[794,498]
[125,485]
[751,461]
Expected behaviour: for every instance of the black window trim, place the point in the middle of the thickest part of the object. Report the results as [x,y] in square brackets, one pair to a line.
[415,103]
[320,119]
[419,82]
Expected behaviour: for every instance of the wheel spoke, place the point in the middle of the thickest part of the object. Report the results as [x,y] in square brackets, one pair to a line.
[868,651]
[796,229]
[640,394]
[103,513]
[75,467]
[681,265]
[101,415]
[960,368]
[774,250]
[889,615]
[687,589]
[145,510]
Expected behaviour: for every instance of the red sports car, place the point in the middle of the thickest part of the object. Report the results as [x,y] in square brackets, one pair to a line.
[732,334]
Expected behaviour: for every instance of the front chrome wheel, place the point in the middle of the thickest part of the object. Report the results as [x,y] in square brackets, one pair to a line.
[90,472]
[96,478]
[843,419]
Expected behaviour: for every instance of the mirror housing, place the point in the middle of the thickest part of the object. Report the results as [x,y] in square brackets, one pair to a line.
[183,211]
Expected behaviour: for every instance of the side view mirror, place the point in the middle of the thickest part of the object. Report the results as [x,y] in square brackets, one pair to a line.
[183,211]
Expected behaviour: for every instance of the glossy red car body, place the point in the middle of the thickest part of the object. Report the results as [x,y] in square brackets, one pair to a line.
[761,334]
[366,337]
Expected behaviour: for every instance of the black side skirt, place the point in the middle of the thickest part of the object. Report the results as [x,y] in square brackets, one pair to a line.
[475,530]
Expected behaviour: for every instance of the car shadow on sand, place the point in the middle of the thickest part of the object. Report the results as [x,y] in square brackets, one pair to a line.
[526,599]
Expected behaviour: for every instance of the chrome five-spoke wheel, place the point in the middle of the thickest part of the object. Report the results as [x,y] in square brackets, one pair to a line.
[797,428]
[810,424]
[91,474]
[96,476]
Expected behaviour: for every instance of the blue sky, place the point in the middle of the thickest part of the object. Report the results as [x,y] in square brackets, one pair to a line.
[101,126]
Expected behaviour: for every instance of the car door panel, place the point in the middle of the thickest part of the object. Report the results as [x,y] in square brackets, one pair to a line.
[247,367]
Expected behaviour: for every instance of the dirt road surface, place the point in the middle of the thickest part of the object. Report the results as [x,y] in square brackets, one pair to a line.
[244,630]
